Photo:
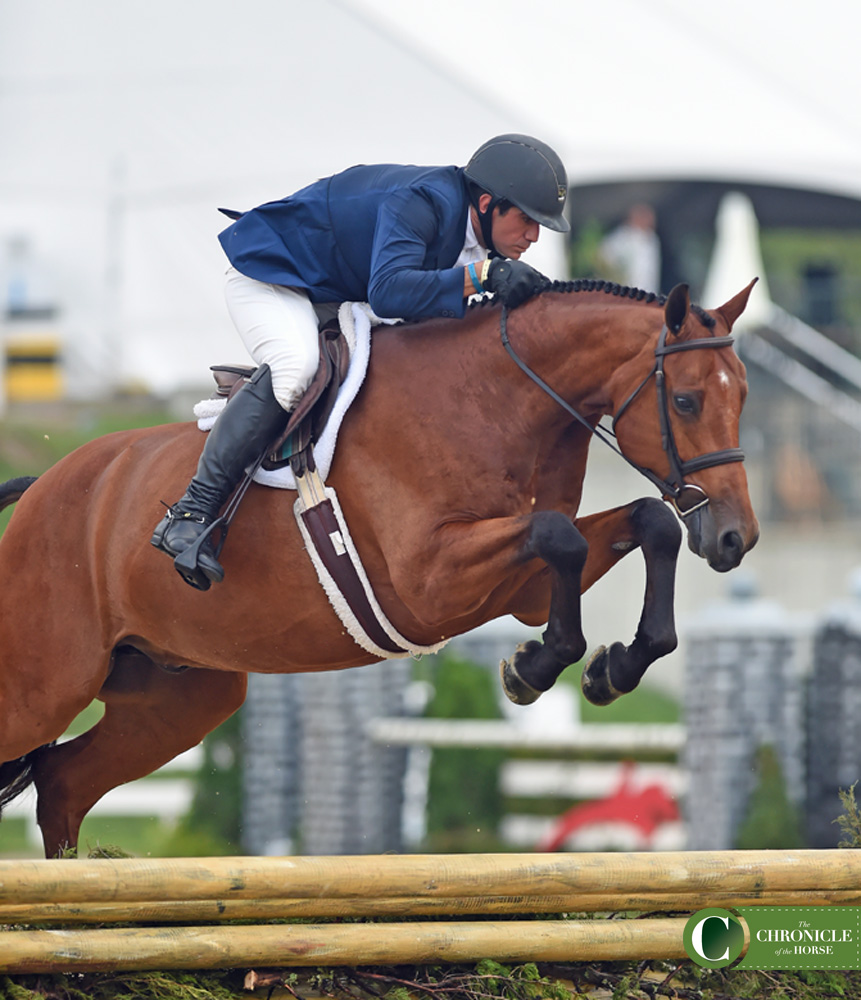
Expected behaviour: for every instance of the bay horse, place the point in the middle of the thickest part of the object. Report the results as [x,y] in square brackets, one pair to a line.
[459,474]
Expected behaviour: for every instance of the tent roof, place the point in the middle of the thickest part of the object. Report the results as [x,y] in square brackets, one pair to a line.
[670,88]
[124,126]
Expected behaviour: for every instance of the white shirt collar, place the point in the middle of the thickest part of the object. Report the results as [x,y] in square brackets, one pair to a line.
[472,251]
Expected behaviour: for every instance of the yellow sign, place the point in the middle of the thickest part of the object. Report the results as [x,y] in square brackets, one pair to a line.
[33,369]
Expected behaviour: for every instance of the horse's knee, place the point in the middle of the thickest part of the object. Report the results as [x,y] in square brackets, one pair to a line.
[656,525]
[554,538]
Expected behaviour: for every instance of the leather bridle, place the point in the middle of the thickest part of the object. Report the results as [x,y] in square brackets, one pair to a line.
[686,498]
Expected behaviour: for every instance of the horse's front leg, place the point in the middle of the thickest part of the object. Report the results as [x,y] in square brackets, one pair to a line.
[650,525]
[535,666]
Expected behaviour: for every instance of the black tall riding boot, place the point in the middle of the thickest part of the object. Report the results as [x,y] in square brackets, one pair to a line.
[247,426]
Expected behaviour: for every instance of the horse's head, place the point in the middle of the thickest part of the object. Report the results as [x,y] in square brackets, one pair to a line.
[687,439]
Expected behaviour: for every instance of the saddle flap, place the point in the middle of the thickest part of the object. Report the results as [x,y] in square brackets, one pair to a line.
[309,417]
[319,397]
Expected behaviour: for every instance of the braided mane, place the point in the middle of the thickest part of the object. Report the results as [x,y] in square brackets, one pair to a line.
[609,288]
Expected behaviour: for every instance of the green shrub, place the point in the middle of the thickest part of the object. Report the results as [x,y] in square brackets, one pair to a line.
[772,821]
[464,803]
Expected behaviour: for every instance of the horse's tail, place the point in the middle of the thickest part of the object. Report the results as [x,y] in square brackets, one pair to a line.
[13,489]
[16,775]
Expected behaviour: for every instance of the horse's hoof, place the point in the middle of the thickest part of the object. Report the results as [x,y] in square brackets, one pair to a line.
[515,687]
[595,682]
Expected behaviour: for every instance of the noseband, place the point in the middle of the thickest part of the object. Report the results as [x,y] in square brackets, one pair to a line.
[685,497]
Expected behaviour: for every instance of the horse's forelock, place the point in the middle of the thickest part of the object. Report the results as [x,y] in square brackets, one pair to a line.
[704,320]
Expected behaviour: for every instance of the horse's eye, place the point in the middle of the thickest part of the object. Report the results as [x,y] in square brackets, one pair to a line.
[686,405]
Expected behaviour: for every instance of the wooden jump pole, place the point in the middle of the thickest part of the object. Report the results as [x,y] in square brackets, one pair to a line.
[186,891]
[207,910]
[132,880]
[338,944]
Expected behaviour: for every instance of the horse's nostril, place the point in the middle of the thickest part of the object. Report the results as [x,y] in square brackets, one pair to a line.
[732,544]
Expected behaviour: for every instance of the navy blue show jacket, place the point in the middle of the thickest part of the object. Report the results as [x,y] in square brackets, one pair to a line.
[387,235]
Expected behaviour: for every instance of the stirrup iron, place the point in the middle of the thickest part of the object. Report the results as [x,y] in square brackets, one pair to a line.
[187,562]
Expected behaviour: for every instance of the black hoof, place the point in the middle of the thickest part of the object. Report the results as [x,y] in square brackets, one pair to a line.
[515,687]
[595,683]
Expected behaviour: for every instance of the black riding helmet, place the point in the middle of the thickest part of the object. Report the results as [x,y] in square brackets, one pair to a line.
[524,171]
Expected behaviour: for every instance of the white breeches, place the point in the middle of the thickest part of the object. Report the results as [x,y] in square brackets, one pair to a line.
[278,326]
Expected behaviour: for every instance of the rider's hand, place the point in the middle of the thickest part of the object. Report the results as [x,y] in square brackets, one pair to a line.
[513,281]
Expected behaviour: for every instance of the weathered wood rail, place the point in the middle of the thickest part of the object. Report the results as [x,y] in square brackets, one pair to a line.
[194,897]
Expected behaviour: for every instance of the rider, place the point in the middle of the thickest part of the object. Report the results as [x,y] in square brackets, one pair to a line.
[413,242]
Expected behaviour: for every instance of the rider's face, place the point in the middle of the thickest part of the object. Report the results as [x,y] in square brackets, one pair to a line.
[514,232]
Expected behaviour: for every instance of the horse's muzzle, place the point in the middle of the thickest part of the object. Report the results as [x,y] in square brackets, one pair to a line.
[723,546]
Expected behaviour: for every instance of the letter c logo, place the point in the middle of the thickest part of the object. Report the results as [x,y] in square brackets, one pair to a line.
[714,938]
[697,938]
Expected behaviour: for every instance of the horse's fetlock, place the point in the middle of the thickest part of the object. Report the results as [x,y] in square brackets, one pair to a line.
[573,652]
[565,649]
[659,645]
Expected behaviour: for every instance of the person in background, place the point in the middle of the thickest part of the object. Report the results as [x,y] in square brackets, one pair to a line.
[632,251]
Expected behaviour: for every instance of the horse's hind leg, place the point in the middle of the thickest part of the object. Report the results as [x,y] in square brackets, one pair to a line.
[151,716]
[650,525]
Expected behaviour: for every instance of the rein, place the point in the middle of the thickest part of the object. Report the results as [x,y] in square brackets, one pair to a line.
[685,497]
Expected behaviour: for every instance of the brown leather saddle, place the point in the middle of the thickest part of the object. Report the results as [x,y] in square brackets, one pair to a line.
[308,419]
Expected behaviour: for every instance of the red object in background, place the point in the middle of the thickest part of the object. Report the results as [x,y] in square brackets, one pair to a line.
[645,809]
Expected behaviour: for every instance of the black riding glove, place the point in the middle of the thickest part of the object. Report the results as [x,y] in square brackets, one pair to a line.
[513,281]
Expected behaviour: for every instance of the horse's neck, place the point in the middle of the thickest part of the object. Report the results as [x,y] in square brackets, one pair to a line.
[575,342]
[578,341]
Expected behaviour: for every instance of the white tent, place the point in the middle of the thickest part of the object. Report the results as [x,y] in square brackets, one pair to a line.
[123,126]
[744,89]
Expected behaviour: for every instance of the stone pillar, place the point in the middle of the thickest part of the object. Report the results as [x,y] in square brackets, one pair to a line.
[352,789]
[271,720]
[743,690]
[313,780]
[834,717]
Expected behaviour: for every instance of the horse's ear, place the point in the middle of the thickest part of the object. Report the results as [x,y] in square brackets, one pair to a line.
[677,308]
[730,311]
